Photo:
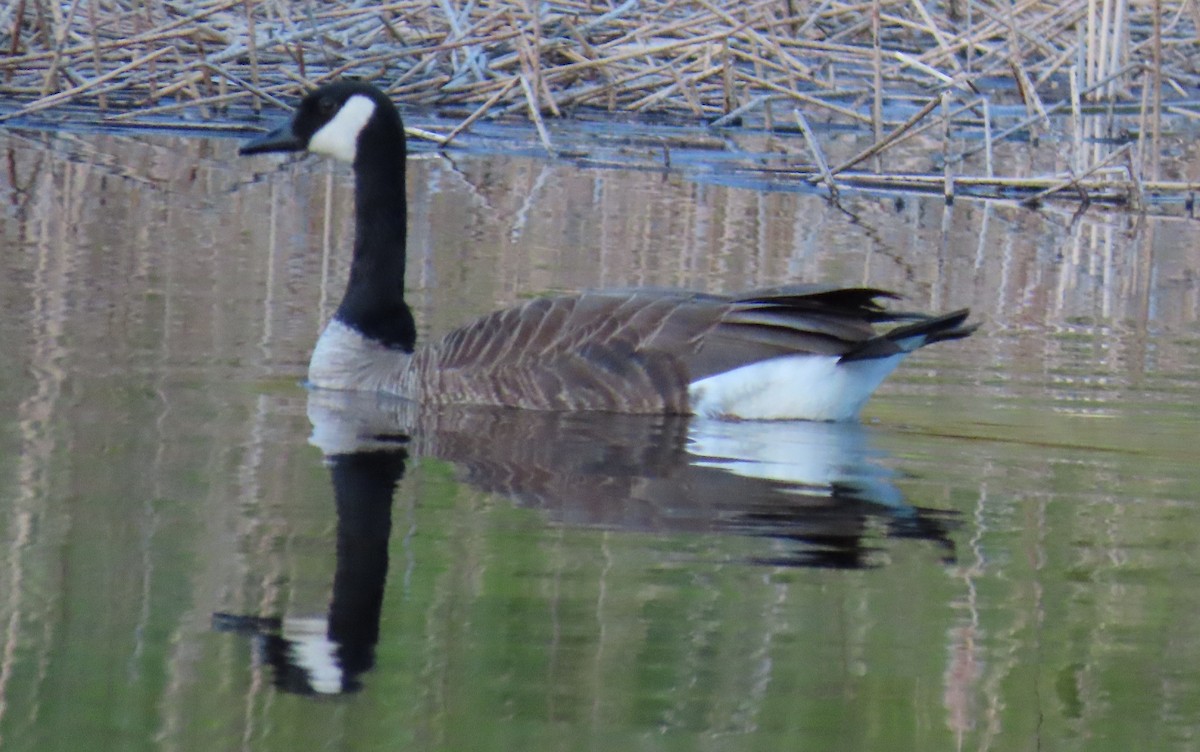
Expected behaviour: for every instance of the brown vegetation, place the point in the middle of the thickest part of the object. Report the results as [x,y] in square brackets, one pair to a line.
[896,68]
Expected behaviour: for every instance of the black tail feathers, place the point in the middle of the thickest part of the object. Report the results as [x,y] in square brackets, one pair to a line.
[909,337]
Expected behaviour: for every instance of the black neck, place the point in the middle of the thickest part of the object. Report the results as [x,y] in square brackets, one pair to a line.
[374,300]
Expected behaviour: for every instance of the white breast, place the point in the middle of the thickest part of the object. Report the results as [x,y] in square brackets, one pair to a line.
[345,359]
[796,387]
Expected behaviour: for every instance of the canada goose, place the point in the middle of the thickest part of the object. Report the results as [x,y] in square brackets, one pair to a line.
[794,352]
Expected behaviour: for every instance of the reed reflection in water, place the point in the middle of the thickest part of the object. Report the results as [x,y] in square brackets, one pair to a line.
[158,308]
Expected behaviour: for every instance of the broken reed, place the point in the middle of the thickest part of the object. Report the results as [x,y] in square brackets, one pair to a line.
[718,61]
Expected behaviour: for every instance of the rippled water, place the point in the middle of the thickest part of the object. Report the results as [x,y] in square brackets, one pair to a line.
[1004,555]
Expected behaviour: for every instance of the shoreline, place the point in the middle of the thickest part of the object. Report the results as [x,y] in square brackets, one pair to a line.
[958,79]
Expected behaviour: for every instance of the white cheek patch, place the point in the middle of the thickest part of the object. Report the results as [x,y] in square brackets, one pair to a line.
[339,137]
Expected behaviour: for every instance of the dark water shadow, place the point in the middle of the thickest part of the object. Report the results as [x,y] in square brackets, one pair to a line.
[815,492]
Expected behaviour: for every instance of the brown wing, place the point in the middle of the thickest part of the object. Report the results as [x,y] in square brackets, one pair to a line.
[637,351]
[621,352]
[792,320]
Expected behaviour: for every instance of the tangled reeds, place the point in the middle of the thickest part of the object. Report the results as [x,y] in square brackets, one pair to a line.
[897,68]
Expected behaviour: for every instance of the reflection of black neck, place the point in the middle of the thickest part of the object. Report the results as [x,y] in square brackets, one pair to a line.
[363,486]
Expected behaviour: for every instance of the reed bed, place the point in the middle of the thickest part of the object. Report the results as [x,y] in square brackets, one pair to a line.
[899,69]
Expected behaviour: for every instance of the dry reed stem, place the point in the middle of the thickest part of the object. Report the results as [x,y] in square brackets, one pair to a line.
[897,135]
[63,96]
[818,155]
[535,114]
[947,163]
[840,59]
[876,75]
[482,110]
[1114,185]
[1077,181]
[989,162]
[1156,68]
[1025,123]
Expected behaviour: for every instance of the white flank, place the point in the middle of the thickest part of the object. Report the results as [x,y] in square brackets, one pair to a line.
[345,359]
[795,387]
[339,137]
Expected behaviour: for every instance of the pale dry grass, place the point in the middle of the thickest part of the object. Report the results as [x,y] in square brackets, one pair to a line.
[896,67]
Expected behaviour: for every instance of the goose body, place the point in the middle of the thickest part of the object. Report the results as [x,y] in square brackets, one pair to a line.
[809,352]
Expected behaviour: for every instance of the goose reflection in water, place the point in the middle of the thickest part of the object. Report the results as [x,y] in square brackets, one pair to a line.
[814,491]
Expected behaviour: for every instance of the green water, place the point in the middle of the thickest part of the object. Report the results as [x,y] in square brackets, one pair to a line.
[1018,567]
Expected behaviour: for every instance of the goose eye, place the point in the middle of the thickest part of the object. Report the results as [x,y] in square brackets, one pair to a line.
[326,106]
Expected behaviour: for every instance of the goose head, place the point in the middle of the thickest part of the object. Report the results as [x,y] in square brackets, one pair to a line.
[340,120]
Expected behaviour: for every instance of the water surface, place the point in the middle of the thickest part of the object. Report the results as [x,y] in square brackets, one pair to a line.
[1004,555]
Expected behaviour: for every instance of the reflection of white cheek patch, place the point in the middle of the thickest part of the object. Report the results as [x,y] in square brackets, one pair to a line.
[339,137]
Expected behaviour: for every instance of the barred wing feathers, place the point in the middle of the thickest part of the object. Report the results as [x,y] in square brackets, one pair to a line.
[637,351]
